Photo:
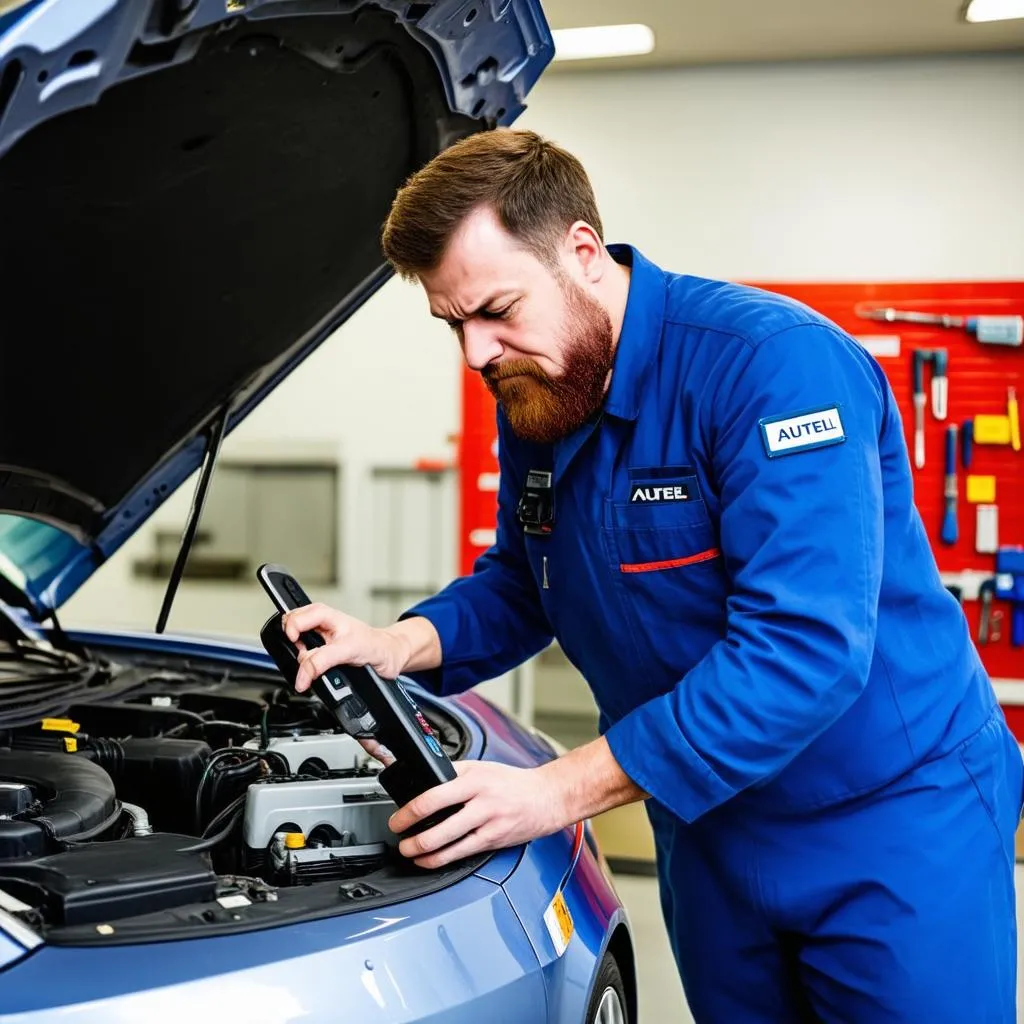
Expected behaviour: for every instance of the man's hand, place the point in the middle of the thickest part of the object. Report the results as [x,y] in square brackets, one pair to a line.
[506,806]
[409,645]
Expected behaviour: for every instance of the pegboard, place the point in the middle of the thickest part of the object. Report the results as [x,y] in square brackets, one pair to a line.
[979,375]
[978,379]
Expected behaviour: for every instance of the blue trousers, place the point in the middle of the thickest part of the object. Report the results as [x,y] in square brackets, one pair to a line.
[895,907]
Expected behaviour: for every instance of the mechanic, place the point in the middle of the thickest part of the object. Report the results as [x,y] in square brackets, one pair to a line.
[705,498]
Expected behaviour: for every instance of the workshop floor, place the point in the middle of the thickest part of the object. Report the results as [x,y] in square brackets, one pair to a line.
[661,995]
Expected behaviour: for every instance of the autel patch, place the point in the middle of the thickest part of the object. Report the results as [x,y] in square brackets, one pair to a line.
[799,432]
[660,484]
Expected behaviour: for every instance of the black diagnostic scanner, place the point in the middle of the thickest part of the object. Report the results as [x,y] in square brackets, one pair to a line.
[363,704]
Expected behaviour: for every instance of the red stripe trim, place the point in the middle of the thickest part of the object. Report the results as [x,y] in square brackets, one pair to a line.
[672,563]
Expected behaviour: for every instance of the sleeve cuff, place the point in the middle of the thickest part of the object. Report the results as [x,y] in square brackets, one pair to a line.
[447,679]
[652,750]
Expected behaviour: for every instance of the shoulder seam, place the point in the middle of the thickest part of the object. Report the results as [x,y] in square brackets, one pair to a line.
[746,338]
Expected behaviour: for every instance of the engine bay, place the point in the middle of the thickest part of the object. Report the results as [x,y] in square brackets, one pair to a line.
[183,794]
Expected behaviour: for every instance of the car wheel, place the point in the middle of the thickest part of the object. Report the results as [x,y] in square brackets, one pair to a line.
[608,1000]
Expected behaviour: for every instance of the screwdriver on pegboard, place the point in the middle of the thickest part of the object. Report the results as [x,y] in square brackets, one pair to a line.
[990,330]
[950,530]
[940,383]
[919,359]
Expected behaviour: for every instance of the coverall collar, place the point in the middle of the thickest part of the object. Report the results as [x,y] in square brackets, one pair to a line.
[640,337]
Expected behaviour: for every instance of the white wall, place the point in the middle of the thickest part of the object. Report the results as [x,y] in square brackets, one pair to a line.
[853,171]
[842,171]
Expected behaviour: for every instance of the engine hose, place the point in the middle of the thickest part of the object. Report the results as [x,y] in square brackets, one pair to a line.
[209,843]
[227,782]
[82,838]
[235,805]
[215,758]
[109,754]
[140,819]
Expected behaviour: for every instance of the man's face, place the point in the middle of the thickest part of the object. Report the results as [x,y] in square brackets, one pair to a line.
[542,343]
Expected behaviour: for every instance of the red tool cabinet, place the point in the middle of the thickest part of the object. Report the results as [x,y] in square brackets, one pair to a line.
[979,375]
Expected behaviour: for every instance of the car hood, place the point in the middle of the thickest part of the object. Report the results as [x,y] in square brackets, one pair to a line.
[191,197]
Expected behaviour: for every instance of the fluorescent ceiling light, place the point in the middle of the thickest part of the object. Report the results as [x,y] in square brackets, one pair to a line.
[994,10]
[602,41]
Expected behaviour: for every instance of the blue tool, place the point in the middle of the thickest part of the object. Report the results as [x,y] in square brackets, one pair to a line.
[1010,587]
[949,523]
[967,442]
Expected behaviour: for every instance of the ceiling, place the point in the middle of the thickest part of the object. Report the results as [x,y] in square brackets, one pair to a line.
[721,31]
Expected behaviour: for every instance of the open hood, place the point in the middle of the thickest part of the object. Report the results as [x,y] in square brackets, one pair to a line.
[191,197]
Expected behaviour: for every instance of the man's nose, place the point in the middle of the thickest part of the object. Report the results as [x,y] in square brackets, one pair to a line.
[480,344]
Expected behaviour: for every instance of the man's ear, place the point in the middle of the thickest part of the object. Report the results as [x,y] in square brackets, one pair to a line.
[586,252]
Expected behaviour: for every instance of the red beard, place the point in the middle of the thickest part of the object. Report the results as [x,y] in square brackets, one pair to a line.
[542,408]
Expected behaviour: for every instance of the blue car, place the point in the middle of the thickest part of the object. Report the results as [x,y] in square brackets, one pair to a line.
[191,193]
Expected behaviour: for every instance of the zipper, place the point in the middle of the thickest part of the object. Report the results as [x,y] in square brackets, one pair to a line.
[544,570]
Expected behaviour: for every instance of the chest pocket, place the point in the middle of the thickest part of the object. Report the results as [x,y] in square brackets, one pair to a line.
[669,577]
[661,537]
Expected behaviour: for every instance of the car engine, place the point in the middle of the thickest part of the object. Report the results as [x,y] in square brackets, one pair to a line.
[175,787]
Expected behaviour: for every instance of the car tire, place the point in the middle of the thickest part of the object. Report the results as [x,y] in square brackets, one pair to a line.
[608,1000]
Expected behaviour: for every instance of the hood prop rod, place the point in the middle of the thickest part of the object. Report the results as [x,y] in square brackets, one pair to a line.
[216,436]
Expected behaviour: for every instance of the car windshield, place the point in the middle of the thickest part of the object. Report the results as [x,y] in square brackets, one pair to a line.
[31,552]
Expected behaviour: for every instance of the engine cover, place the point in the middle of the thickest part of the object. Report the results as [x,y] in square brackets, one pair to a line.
[330,751]
[356,808]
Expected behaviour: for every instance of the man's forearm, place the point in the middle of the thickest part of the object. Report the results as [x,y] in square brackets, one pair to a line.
[419,642]
[588,781]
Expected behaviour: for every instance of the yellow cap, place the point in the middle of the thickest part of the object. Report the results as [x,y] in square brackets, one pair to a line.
[60,725]
[70,744]
[981,489]
[294,840]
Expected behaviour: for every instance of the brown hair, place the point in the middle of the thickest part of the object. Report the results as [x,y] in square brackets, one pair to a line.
[536,188]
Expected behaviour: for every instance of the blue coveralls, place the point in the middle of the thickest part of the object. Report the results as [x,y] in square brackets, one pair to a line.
[738,570]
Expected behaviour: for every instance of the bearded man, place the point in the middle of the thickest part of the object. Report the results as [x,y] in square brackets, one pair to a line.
[705,497]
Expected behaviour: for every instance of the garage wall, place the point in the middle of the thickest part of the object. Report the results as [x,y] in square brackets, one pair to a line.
[842,171]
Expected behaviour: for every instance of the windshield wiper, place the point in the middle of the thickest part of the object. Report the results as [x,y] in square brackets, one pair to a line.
[216,436]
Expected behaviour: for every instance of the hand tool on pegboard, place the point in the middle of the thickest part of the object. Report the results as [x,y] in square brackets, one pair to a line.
[940,382]
[990,330]
[967,442]
[938,359]
[920,358]
[949,531]
[989,623]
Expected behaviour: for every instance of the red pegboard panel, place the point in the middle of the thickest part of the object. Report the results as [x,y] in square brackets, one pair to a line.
[478,471]
[979,375]
[978,379]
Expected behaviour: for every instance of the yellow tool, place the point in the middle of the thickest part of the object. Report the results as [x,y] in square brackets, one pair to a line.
[992,429]
[1011,408]
[981,490]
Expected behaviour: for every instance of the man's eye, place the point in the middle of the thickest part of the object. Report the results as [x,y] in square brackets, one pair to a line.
[497,314]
